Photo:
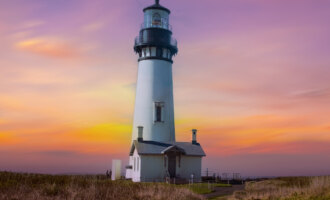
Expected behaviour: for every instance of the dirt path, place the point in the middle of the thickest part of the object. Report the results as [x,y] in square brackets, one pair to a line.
[223,191]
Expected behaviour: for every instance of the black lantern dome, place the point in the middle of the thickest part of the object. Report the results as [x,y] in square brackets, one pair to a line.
[157,6]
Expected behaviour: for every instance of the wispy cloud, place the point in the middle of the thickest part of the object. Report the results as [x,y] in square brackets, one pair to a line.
[50,47]
[93,27]
[32,24]
[60,153]
[314,93]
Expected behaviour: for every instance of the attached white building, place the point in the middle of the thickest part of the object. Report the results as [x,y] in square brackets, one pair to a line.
[155,155]
[156,161]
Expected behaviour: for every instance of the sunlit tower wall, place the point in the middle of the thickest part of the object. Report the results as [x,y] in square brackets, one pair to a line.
[155,46]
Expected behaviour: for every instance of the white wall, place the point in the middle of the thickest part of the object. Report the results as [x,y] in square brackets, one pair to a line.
[153,169]
[136,167]
[189,165]
[154,84]
[128,173]
[116,169]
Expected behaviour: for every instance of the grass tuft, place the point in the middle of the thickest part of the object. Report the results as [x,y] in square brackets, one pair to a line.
[287,188]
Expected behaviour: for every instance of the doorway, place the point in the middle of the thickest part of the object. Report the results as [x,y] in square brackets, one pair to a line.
[172,164]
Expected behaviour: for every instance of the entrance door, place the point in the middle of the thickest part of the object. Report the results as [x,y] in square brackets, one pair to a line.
[172,164]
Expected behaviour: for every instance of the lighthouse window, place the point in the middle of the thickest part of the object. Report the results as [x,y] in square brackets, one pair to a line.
[165,23]
[165,53]
[153,51]
[159,52]
[159,111]
[147,52]
[144,52]
[156,20]
[158,114]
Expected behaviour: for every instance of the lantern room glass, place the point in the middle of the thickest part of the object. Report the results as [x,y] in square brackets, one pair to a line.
[155,18]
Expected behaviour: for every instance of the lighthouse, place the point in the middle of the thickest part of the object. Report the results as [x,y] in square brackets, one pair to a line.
[155,155]
[154,108]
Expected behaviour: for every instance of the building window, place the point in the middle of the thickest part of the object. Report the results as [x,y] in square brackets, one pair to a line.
[159,112]
[138,163]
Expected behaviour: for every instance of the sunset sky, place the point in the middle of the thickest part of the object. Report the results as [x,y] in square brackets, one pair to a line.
[253,76]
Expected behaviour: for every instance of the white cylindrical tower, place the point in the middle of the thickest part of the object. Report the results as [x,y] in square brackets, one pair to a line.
[154,108]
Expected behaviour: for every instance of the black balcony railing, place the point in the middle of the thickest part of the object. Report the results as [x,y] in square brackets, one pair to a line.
[140,41]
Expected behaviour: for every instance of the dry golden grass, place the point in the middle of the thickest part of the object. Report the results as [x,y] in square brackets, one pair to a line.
[36,186]
[289,188]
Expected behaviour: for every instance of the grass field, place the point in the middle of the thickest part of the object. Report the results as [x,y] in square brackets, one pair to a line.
[288,188]
[36,186]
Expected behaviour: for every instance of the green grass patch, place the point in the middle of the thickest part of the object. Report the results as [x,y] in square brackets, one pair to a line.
[200,188]
[204,188]
[222,185]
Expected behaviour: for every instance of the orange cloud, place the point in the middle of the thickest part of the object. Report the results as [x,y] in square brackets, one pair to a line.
[106,132]
[7,139]
[255,133]
[49,47]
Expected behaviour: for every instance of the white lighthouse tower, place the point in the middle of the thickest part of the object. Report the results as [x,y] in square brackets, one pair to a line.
[154,108]
[155,154]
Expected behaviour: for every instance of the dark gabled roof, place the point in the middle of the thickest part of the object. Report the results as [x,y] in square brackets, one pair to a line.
[159,148]
[157,6]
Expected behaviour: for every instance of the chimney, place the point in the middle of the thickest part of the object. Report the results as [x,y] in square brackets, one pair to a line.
[140,133]
[194,136]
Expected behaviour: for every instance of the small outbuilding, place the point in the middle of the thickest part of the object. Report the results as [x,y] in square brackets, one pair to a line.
[155,161]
